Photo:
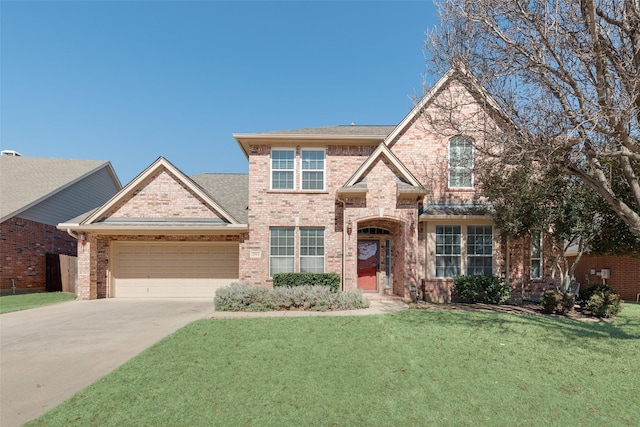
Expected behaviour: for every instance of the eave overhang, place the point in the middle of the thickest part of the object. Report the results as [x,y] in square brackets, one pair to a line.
[155,229]
[247,139]
[352,191]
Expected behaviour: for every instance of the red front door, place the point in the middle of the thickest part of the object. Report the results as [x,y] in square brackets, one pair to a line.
[368,260]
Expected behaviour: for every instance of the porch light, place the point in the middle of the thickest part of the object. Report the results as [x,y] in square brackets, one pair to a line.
[349,228]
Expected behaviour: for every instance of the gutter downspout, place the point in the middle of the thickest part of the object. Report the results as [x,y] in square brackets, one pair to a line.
[344,217]
[72,233]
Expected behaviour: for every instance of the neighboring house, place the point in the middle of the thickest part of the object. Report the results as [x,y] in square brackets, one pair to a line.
[163,235]
[391,209]
[623,273]
[35,195]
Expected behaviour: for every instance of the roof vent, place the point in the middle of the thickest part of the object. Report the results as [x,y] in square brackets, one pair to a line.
[9,153]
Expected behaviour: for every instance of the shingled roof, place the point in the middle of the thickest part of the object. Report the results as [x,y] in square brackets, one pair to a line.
[336,131]
[26,181]
[230,190]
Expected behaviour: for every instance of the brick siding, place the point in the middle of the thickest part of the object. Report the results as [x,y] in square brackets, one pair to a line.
[23,245]
[624,270]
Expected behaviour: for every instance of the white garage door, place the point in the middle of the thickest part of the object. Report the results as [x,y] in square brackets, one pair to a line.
[172,270]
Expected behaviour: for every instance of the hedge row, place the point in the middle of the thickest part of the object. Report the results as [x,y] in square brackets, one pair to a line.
[331,280]
[244,297]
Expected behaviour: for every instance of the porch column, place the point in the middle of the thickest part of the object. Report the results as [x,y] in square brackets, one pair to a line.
[87,257]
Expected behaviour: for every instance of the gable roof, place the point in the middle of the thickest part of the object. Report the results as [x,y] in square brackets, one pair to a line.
[160,164]
[27,181]
[457,73]
[410,186]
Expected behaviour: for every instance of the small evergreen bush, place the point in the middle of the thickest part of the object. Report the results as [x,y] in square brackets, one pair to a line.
[331,280]
[557,302]
[601,300]
[484,289]
[243,297]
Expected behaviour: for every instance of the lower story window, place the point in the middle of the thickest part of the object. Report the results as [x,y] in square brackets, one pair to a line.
[281,250]
[536,254]
[479,250]
[448,250]
[312,250]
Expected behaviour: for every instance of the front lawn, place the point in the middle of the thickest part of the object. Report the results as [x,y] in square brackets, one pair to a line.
[22,302]
[440,368]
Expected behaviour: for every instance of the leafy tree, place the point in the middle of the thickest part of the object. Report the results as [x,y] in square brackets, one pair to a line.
[529,197]
[565,75]
[615,239]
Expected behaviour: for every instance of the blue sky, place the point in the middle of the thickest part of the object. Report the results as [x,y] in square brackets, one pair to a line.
[131,81]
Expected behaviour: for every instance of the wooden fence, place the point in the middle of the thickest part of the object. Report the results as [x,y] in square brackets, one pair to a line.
[62,273]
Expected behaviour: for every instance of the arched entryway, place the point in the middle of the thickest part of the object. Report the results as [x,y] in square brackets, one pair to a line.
[379,241]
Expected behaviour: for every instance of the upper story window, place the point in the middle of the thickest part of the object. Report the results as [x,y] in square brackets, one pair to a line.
[312,169]
[282,169]
[460,162]
[309,167]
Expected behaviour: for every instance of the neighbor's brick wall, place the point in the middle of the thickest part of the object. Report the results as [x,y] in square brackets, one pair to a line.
[625,273]
[23,245]
[93,258]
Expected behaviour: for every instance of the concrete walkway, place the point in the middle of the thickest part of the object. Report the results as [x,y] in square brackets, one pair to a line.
[48,354]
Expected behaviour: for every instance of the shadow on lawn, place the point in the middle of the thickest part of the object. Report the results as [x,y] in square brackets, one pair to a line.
[625,327]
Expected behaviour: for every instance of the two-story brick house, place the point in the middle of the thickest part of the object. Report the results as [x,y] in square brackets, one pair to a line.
[389,208]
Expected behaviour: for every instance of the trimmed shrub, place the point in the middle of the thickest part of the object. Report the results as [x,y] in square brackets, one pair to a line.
[243,297]
[331,280]
[484,289]
[557,302]
[601,300]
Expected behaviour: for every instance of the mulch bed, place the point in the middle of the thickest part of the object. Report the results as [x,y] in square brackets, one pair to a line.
[524,308]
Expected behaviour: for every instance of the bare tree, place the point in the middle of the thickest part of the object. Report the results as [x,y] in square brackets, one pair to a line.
[566,75]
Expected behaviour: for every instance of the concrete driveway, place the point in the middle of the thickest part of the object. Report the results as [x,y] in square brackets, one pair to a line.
[47,354]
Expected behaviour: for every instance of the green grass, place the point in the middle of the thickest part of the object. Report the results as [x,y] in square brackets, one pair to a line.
[411,368]
[22,302]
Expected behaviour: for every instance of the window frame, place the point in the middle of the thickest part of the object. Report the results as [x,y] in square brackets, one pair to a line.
[451,255]
[469,245]
[316,247]
[457,168]
[536,235]
[292,170]
[291,256]
[303,170]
